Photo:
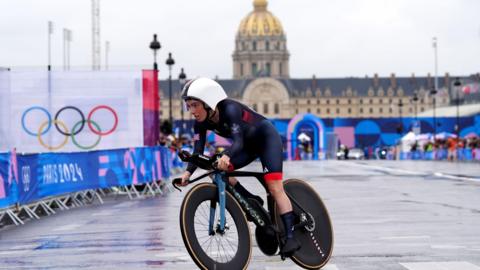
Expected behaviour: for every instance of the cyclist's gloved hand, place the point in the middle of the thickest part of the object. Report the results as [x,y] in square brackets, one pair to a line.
[185,177]
[223,163]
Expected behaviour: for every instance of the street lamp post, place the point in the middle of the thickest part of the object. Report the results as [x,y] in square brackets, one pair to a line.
[400,127]
[435,87]
[416,124]
[155,46]
[415,101]
[433,92]
[170,62]
[182,78]
[457,87]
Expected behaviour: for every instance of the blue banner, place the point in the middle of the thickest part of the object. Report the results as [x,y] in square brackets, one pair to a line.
[37,176]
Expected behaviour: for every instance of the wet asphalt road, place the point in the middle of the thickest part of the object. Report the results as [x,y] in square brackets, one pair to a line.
[386,215]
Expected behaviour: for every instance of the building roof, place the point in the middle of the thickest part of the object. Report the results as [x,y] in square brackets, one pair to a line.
[338,86]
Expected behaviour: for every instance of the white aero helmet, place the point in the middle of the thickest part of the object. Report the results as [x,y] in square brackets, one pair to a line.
[206,90]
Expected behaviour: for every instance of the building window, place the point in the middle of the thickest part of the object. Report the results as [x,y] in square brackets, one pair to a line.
[349,110]
[318,101]
[328,101]
[241,69]
[371,110]
[390,100]
[390,110]
[370,101]
[422,109]
[338,101]
[254,44]
[380,110]
[308,110]
[422,101]
[296,101]
[361,110]
[267,45]
[361,101]
[277,108]
[308,101]
[349,101]
[410,110]
[338,110]
[254,69]
[280,69]
[296,111]
[328,110]
[255,107]
[318,111]
[268,69]
[380,101]
[265,108]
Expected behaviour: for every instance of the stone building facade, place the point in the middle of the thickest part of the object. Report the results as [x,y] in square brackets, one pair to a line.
[261,80]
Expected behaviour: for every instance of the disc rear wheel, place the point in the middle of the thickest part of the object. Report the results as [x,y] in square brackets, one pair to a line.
[316,236]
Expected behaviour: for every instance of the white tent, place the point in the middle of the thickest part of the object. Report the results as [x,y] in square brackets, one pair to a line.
[303,137]
[410,136]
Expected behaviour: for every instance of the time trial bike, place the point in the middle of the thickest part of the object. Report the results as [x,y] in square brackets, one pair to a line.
[214,227]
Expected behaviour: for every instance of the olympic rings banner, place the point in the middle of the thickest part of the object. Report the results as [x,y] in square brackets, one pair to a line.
[66,111]
[30,177]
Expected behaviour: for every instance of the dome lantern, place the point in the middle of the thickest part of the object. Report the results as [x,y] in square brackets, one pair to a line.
[260,5]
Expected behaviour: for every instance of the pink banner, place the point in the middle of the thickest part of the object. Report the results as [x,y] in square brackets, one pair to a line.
[151,101]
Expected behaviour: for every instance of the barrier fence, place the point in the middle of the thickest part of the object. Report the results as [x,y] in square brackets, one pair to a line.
[45,180]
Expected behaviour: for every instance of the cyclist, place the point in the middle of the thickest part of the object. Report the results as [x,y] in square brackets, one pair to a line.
[253,136]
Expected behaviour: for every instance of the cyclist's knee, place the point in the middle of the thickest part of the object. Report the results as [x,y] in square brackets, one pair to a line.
[275,187]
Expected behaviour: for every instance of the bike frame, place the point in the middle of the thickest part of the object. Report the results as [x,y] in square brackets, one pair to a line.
[220,179]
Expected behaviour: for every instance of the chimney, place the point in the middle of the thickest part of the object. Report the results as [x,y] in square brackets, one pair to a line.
[429,81]
[375,80]
[446,80]
[314,83]
[393,81]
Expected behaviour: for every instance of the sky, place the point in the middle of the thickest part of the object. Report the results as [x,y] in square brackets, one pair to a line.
[328,39]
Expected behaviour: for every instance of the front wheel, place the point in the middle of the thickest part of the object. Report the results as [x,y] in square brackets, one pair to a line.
[230,249]
[316,237]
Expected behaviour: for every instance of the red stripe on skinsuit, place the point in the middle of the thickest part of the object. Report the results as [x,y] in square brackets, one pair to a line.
[273,176]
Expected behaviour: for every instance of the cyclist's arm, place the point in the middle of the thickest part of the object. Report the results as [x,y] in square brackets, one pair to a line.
[233,118]
[199,137]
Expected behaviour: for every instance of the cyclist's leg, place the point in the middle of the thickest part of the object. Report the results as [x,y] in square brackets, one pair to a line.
[271,157]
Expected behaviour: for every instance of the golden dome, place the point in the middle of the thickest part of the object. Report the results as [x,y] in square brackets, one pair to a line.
[260,22]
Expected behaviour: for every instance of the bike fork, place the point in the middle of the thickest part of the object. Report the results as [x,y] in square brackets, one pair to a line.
[221,200]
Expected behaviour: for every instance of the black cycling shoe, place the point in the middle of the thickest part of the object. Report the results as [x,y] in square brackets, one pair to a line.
[291,245]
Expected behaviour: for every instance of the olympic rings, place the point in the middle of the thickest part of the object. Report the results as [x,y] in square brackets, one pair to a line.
[74,132]
[40,133]
[89,122]
[36,108]
[82,121]
[77,128]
